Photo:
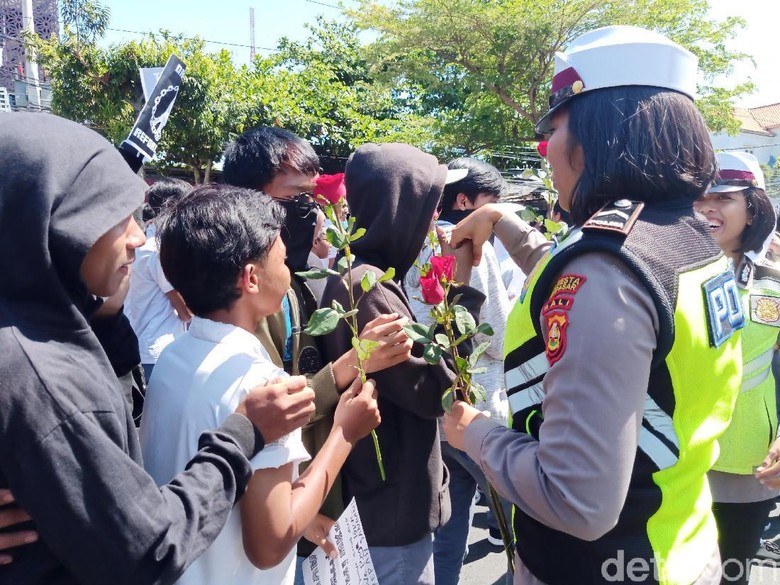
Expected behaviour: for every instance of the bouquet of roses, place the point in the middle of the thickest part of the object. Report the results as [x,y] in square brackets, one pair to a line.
[454,324]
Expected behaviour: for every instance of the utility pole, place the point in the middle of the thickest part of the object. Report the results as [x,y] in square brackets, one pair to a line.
[251,34]
[30,66]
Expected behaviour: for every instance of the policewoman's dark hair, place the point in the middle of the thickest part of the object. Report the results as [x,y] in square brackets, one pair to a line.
[639,143]
[762,216]
[482,178]
[209,235]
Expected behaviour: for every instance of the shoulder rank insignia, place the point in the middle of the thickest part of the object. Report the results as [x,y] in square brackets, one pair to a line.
[617,216]
[724,308]
[765,309]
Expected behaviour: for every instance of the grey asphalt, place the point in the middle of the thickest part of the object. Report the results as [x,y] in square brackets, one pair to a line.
[486,564]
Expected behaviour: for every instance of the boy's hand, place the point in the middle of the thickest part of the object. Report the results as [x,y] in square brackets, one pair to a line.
[394,348]
[279,407]
[317,533]
[11,515]
[357,413]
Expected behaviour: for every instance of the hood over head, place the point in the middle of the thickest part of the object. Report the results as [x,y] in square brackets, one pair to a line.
[392,191]
[62,186]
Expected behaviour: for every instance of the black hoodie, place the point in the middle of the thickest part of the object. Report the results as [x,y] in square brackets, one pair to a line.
[393,191]
[68,448]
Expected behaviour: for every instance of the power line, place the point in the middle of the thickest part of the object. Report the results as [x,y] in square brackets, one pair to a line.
[325,4]
[138,32]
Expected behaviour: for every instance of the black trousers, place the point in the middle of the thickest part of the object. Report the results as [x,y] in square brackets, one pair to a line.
[739,535]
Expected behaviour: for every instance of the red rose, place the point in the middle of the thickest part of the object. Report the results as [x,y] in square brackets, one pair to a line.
[541,148]
[330,188]
[443,266]
[432,290]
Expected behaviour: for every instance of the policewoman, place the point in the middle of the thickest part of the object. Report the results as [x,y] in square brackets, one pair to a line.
[620,328]
[742,220]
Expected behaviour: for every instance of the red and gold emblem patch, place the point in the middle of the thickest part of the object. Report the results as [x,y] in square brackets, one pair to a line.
[556,336]
[556,314]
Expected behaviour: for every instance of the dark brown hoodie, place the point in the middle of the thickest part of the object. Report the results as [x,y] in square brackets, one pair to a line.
[393,191]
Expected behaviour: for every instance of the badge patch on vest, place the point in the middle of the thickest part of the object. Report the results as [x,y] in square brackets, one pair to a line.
[556,336]
[556,314]
[765,309]
[724,309]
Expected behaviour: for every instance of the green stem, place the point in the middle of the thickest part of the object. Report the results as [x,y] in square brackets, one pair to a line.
[353,325]
[503,527]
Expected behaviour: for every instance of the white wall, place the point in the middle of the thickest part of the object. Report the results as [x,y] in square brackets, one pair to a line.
[762,147]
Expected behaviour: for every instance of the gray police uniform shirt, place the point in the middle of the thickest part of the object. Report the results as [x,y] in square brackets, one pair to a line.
[577,479]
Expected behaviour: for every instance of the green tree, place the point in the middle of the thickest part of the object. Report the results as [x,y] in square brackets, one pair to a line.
[102,88]
[86,20]
[506,48]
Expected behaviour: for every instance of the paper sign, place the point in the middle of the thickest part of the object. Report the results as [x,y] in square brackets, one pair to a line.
[353,566]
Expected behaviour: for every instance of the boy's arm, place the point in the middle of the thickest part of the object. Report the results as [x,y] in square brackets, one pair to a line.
[275,511]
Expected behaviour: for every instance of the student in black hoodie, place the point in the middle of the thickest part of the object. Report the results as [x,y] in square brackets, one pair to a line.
[68,447]
[393,191]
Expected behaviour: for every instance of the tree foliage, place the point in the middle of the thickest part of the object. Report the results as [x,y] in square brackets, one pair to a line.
[506,48]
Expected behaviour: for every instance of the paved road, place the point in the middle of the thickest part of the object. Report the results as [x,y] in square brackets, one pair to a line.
[486,564]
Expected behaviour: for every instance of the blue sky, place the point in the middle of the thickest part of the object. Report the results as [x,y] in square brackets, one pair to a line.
[228,21]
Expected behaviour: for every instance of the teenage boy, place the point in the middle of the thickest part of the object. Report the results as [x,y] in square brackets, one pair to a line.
[69,450]
[285,167]
[220,248]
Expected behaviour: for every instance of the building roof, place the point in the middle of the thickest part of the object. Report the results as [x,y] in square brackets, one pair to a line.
[761,120]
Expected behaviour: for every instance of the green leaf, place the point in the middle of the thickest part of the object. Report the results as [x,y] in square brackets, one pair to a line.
[358,234]
[432,354]
[417,332]
[447,399]
[461,363]
[336,239]
[464,321]
[442,339]
[317,274]
[473,371]
[368,281]
[485,329]
[349,314]
[477,353]
[322,322]
[330,213]
[477,392]
[342,264]
[553,226]
[388,275]
[528,215]
[364,348]
[337,306]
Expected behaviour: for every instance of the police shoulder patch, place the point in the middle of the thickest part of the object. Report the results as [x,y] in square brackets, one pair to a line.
[724,309]
[556,314]
[617,217]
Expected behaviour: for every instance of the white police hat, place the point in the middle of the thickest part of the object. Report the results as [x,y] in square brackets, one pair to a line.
[738,170]
[616,56]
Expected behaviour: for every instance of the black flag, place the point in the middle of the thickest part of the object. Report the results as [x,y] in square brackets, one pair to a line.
[145,135]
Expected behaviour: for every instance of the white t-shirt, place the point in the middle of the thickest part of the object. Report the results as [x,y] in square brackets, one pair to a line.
[198,381]
[151,314]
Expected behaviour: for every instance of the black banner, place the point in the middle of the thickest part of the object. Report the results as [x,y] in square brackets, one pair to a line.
[145,135]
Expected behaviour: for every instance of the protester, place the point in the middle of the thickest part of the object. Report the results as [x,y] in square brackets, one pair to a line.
[232,236]
[68,447]
[155,309]
[482,184]
[621,361]
[285,167]
[393,191]
[742,221]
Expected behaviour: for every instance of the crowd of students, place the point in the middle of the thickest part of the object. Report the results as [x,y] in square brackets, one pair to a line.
[635,344]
